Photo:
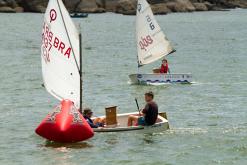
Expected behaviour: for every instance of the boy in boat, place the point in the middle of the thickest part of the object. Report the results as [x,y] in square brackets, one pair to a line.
[98,122]
[164,67]
[148,115]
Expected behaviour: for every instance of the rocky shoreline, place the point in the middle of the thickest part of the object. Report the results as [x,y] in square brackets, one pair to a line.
[126,7]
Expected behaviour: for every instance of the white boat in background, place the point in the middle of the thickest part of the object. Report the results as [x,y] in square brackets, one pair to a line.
[152,78]
[122,120]
[152,45]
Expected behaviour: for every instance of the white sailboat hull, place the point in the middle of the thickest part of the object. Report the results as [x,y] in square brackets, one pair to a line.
[156,78]
[122,119]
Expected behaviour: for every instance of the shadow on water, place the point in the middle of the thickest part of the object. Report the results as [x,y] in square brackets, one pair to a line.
[88,48]
[112,141]
[148,138]
[187,131]
[79,145]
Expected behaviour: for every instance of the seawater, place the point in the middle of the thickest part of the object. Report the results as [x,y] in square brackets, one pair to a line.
[208,119]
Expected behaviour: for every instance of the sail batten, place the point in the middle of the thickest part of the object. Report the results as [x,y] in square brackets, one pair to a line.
[60,53]
[152,43]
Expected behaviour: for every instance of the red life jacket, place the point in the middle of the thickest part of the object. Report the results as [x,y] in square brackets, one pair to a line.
[164,69]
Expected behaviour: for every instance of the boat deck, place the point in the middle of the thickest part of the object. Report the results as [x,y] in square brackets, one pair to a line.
[122,120]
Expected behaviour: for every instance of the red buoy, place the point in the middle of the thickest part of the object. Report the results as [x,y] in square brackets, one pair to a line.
[65,124]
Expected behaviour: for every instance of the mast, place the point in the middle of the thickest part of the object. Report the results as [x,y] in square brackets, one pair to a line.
[80,48]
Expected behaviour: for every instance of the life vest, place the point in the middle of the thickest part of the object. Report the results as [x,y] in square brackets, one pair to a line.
[164,69]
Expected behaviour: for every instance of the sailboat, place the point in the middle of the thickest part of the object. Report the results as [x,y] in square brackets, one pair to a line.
[62,75]
[152,45]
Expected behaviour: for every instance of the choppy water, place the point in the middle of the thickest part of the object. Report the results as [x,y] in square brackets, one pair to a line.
[208,119]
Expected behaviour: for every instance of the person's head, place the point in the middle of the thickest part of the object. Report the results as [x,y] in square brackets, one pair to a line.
[88,112]
[164,61]
[149,96]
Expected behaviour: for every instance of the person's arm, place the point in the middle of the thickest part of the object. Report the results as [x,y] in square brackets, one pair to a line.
[100,124]
[144,111]
[92,125]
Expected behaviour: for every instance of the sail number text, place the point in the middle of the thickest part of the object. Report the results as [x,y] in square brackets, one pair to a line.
[149,20]
[49,41]
[145,42]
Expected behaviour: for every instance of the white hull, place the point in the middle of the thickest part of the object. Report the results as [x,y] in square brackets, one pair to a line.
[122,119]
[156,78]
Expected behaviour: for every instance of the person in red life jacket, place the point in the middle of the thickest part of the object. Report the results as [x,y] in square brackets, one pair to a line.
[98,122]
[148,115]
[164,67]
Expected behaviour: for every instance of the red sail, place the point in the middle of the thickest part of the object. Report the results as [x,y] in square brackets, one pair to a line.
[65,124]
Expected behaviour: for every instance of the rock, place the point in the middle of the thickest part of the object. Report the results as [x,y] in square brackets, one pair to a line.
[34,6]
[126,7]
[11,3]
[110,5]
[171,6]
[19,9]
[39,9]
[89,6]
[186,4]
[200,7]
[160,8]
[181,6]
[238,3]
[227,4]
[6,9]
[2,3]
[71,5]
[209,5]
[100,3]
[100,10]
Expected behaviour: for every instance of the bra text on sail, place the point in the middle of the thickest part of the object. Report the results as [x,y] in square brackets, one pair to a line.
[50,41]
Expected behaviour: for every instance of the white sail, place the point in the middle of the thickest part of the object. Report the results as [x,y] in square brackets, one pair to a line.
[151,41]
[60,54]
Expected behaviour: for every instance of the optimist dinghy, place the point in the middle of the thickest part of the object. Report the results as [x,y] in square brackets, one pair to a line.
[152,45]
[62,75]
[118,123]
[160,125]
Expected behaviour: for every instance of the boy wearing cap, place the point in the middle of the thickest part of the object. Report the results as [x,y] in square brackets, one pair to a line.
[87,114]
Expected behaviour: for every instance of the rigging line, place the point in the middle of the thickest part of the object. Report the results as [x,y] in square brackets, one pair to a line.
[78,68]
[81,81]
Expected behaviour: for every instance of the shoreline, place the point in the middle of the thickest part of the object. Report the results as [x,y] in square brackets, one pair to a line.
[125,7]
[109,12]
